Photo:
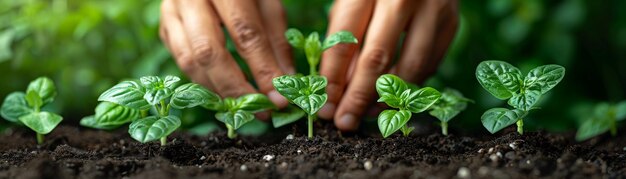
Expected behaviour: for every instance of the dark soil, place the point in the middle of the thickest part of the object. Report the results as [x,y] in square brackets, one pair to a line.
[72,152]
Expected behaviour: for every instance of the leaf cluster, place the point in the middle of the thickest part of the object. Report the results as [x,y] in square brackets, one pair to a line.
[603,118]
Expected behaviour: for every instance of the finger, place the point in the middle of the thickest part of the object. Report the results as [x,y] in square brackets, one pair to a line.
[274,23]
[349,15]
[242,21]
[176,41]
[384,30]
[207,49]
[433,23]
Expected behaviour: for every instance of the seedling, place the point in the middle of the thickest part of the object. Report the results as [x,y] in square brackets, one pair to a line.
[25,108]
[448,106]
[504,81]
[309,92]
[603,118]
[238,112]
[152,92]
[407,99]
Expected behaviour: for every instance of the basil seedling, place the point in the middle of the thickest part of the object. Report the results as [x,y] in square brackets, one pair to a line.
[308,92]
[603,118]
[25,108]
[396,93]
[240,111]
[505,81]
[448,106]
[128,100]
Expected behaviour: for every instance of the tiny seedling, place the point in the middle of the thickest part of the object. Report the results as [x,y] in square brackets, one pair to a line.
[308,92]
[131,100]
[603,118]
[240,111]
[407,99]
[448,106]
[25,108]
[505,81]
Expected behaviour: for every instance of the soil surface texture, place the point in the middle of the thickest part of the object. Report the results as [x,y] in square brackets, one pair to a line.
[76,152]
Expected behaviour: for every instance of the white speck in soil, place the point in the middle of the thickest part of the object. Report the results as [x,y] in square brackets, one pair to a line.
[481,150]
[243,168]
[528,162]
[268,157]
[368,165]
[624,149]
[283,165]
[202,158]
[510,155]
[513,146]
[463,172]
[299,151]
[483,171]
[499,154]
[33,152]
[493,157]
[490,150]
[266,165]
[289,137]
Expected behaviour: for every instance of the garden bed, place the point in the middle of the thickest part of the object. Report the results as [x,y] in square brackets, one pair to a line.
[72,152]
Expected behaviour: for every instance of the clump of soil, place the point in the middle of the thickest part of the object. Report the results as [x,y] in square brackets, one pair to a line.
[73,152]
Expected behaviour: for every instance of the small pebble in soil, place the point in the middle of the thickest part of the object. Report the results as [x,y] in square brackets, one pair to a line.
[510,155]
[483,171]
[289,137]
[463,172]
[481,150]
[499,154]
[493,157]
[202,158]
[266,165]
[624,149]
[268,157]
[490,150]
[368,165]
[283,165]
[243,168]
[299,151]
[513,145]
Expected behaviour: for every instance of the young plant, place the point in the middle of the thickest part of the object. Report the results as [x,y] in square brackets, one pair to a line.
[152,92]
[240,111]
[396,93]
[25,108]
[505,81]
[448,106]
[603,118]
[309,92]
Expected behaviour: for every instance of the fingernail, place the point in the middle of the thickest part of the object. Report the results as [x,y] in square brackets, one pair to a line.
[264,116]
[327,111]
[277,99]
[347,122]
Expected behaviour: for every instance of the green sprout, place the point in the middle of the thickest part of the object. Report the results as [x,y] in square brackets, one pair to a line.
[603,118]
[448,106]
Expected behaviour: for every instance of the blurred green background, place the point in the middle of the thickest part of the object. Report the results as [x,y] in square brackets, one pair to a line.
[86,46]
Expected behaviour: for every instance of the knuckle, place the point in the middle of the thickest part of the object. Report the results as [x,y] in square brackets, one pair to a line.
[186,63]
[343,51]
[359,99]
[204,53]
[376,60]
[247,35]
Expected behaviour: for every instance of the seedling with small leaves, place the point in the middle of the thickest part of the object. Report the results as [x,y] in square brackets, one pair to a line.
[130,101]
[448,106]
[308,92]
[505,81]
[25,108]
[240,111]
[603,118]
[407,99]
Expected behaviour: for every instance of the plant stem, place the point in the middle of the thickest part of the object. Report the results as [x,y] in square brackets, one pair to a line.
[231,132]
[405,130]
[163,141]
[311,120]
[312,70]
[144,113]
[39,138]
[520,126]
[444,128]
[163,111]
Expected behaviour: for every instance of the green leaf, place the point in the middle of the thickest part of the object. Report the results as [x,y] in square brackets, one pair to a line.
[15,106]
[391,100]
[390,121]
[499,78]
[41,122]
[90,121]
[287,115]
[315,84]
[295,38]
[544,77]
[191,95]
[254,103]
[311,103]
[620,111]
[449,105]
[153,128]
[171,81]
[389,84]
[152,82]
[496,119]
[420,100]
[313,49]
[33,99]
[525,101]
[236,119]
[44,87]
[339,37]
[111,114]
[154,96]
[126,93]
[593,127]
[288,86]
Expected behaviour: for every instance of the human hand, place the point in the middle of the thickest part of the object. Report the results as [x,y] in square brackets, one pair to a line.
[430,26]
[192,31]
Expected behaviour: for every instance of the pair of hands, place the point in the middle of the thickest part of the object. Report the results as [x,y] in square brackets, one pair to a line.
[192,31]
